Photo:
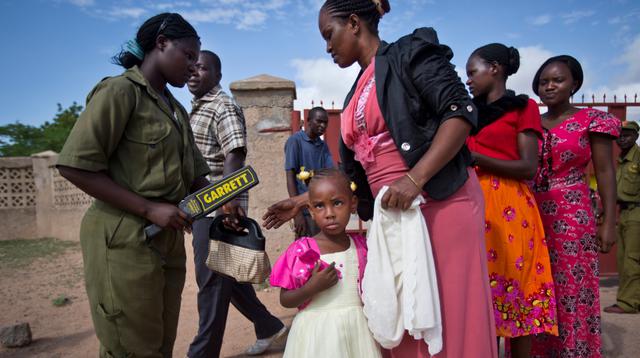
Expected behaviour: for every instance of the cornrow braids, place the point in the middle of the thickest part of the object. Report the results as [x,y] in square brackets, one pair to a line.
[171,25]
[323,174]
[370,11]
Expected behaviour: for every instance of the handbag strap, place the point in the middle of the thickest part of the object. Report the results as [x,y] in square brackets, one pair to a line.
[252,239]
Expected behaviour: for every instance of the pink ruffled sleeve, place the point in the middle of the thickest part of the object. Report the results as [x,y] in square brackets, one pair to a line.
[282,270]
[603,122]
[293,269]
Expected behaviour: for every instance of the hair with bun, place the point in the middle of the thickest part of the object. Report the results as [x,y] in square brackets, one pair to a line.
[507,57]
[370,11]
[171,25]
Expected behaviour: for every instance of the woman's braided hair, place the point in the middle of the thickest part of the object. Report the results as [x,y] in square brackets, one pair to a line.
[370,11]
[171,25]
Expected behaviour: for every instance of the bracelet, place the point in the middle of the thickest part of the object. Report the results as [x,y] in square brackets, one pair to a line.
[413,180]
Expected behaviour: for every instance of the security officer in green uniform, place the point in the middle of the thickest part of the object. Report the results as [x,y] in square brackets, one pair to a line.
[628,180]
[133,150]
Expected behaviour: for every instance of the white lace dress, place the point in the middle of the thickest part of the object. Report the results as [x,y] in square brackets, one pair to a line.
[333,324]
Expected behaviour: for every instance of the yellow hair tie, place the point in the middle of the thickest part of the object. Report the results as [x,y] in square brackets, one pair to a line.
[304,175]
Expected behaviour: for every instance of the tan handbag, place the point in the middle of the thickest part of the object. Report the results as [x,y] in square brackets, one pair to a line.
[238,255]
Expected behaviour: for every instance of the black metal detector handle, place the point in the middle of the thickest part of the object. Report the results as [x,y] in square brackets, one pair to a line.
[152,230]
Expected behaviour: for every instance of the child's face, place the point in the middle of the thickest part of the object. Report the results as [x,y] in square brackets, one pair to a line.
[331,204]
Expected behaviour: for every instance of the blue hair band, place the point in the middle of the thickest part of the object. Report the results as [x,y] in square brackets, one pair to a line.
[134,48]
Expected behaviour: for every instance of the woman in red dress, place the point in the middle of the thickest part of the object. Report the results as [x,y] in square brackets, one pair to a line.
[571,138]
[505,148]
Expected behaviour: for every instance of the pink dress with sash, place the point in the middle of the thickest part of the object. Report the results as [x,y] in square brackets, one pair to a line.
[293,268]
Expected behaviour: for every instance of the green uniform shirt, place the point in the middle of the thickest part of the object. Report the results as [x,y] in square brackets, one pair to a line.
[628,176]
[128,131]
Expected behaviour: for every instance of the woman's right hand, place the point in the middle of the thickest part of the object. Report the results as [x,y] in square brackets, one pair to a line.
[168,216]
[283,211]
[321,280]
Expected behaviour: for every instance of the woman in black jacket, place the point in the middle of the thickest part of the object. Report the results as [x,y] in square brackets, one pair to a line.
[404,125]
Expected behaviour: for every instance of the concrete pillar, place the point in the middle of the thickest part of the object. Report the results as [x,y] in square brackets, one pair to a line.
[45,211]
[267,103]
[60,205]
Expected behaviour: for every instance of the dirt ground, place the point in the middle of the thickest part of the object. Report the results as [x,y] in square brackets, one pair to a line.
[26,295]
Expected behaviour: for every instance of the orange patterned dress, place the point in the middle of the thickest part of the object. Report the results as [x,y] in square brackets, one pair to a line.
[518,259]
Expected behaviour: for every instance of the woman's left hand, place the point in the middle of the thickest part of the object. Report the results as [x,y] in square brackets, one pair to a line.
[400,194]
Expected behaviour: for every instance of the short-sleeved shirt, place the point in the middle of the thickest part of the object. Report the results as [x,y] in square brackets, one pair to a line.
[218,127]
[628,176]
[129,132]
[302,151]
[500,139]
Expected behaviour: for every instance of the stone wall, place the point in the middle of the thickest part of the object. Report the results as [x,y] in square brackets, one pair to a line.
[35,201]
[17,199]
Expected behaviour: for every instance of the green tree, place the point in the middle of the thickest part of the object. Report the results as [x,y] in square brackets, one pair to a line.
[17,139]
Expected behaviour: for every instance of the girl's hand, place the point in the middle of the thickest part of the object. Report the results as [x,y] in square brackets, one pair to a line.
[321,280]
[168,216]
[400,194]
[606,237]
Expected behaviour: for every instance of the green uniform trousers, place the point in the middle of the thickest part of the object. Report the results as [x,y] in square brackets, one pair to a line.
[134,294]
[628,255]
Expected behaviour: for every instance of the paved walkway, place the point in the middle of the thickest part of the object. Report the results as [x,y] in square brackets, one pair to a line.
[620,332]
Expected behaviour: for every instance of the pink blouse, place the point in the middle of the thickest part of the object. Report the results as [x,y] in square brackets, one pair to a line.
[293,268]
[365,132]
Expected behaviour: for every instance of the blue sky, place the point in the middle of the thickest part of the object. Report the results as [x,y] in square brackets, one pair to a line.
[56,50]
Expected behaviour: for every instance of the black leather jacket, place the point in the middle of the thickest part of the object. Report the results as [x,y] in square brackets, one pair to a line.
[417,90]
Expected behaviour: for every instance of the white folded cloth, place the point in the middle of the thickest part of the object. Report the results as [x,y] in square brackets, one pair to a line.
[400,288]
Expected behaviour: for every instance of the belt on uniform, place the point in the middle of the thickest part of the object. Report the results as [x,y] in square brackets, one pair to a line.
[626,205]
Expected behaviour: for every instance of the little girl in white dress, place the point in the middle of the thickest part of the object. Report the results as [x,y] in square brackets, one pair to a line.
[321,276]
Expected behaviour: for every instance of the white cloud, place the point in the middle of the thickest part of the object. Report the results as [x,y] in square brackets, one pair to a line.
[242,14]
[531,58]
[274,4]
[82,3]
[252,19]
[171,5]
[216,16]
[630,90]
[577,15]
[322,80]
[615,20]
[540,20]
[631,57]
[132,12]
